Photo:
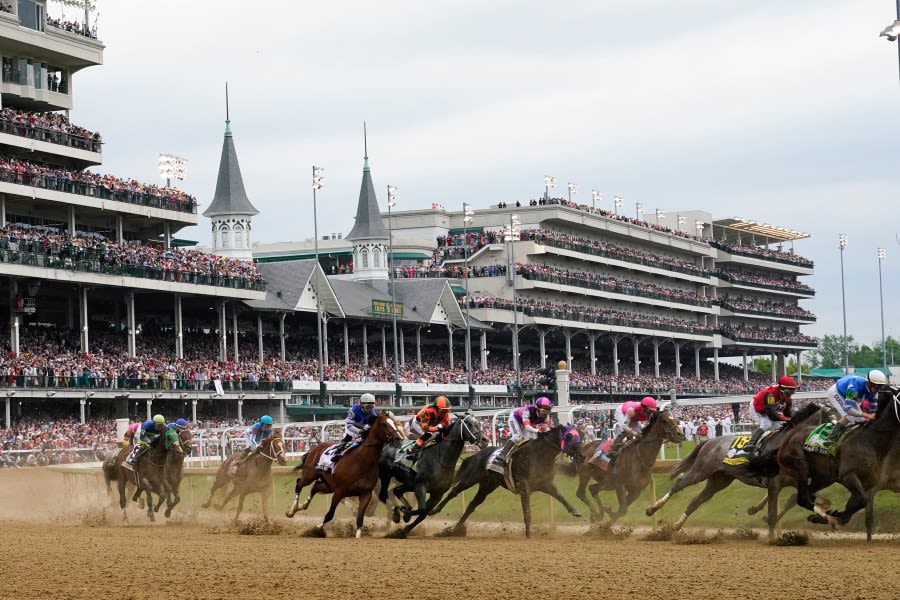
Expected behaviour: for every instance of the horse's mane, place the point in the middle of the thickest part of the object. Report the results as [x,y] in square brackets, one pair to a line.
[802,415]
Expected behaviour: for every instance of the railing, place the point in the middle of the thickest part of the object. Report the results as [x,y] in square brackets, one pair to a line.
[53,382]
[785,286]
[97,265]
[51,136]
[804,316]
[63,183]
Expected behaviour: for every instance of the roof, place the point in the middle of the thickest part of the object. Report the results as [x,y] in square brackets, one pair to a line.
[770,232]
[291,286]
[230,197]
[838,373]
[368,224]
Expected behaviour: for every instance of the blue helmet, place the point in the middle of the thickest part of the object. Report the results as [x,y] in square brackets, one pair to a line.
[265,420]
[181,422]
[170,425]
[148,425]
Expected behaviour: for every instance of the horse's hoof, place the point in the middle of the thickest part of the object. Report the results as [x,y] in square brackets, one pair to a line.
[817,519]
[407,517]
[649,511]
[395,516]
[575,513]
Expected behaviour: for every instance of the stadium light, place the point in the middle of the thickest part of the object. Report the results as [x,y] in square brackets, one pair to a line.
[573,189]
[881,257]
[892,31]
[596,197]
[618,202]
[318,177]
[639,209]
[681,221]
[698,225]
[172,167]
[549,182]
[468,217]
[511,234]
[842,243]
[660,216]
[392,195]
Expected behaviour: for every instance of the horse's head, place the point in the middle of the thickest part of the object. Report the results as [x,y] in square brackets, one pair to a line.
[386,428]
[273,447]
[569,439]
[186,439]
[471,431]
[667,427]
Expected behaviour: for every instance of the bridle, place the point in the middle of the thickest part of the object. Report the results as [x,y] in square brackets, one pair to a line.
[278,444]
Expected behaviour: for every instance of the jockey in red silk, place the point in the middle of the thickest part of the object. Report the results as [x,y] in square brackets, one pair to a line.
[629,416]
[770,406]
[430,420]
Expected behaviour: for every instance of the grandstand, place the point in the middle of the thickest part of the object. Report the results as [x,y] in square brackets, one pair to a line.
[107,310]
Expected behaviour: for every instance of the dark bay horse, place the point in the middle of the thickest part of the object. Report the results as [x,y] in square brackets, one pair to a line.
[632,469]
[857,465]
[433,471]
[149,477]
[254,475]
[175,468]
[355,474]
[705,463]
[533,468]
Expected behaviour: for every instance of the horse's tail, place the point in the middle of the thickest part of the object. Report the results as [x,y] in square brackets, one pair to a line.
[687,462]
[299,466]
[568,467]
[109,474]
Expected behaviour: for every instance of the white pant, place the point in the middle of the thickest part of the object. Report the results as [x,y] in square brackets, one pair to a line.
[622,421]
[517,432]
[762,421]
[837,403]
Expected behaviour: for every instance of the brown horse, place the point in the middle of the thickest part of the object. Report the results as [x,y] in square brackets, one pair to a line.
[149,477]
[857,465]
[355,474]
[631,471]
[254,475]
[706,464]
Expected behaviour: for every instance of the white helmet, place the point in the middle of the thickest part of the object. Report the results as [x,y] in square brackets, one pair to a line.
[876,377]
[367,398]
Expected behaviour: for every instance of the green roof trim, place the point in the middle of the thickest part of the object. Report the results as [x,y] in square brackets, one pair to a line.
[410,255]
[464,230]
[458,289]
[839,372]
[300,256]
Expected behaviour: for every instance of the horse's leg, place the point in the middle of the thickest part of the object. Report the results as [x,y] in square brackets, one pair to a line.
[713,486]
[858,499]
[525,497]
[231,494]
[681,482]
[487,486]
[870,515]
[364,500]
[219,482]
[173,499]
[764,501]
[240,504]
[584,476]
[549,488]
[336,498]
[423,507]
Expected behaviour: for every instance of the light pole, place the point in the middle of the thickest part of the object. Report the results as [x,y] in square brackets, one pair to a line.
[681,221]
[842,243]
[573,189]
[639,209]
[549,182]
[618,201]
[511,234]
[892,31]
[172,167]
[881,255]
[468,216]
[660,216]
[318,176]
[392,194]
[698,225]
[595,198]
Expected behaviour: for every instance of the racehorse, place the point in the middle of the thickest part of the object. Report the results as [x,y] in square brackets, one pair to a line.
[705,463]
[632,469]
[355,474]
[253,475]
[857,465]
[433,473]
[149,476]
[114,471]
[532,469]
[175,469]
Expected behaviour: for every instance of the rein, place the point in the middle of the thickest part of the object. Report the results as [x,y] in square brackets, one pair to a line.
[276,454]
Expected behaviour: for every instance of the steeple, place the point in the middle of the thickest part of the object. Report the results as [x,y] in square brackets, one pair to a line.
[369,237]
[230,210]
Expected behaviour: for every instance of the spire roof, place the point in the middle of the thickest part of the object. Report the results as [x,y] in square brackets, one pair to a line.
[230,197]
[368,224]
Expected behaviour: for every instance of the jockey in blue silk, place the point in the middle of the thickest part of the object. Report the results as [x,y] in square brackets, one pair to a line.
[254,435]
[359,418]
[149,432]
[846,395]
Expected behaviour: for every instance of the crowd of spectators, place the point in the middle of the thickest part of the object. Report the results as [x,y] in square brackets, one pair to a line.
[765,307]
[766,335]
[763,252]
[766,281]
[86,183]
[73,27]
[93,252]
[48,127]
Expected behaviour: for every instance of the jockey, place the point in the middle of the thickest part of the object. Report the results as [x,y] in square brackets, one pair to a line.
[846,395]
[430,420]
[629,416]
[180,425]
[150,430]
[769,406]
[359,418]
[254,435]
[525,423]
[131,434]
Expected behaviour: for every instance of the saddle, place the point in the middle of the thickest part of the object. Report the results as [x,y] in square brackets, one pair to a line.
[817,438]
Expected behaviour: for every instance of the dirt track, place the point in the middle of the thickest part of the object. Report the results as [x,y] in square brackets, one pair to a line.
[60,543]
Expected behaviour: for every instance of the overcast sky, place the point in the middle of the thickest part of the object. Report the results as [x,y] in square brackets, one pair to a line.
[785,113]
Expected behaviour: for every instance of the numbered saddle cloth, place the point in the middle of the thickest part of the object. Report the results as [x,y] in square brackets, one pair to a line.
[816,440]
[402,456]
[326,459]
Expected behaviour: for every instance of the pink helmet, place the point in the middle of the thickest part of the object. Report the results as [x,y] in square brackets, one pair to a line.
[648,403]
[544,403]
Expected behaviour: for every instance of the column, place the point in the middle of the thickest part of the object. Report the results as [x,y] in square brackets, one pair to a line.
[450,341]
[240,409]
[179,328]
[656,357]
[562,396]
[542,342]
[167,234]
[365,345]
[234,331]
[83,318]
[82,402]
[283,350]
[419,347]
[70,219]
[697,362]
[149,409]
[774,368]
[71,301]
[569,357]
[194,410]
[402,343]
[131,326]
[615,355]
[325,358]
[120,229]
[223,333]
[716,364]
[13,315]
[677,359]
[593,340]
[799,369]
[746,367]
[3,217]
[346,344]
[383,348]
[8,414]
[259,337]
[635,343]
[482,344]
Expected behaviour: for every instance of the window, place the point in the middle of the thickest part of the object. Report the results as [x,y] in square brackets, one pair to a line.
[364,259]
[31,15]
[226,238]
[238,237]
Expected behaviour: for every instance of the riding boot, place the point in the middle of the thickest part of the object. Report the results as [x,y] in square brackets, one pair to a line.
[617,445]
[501,460]
[412,454]
[836,432]
[750,446]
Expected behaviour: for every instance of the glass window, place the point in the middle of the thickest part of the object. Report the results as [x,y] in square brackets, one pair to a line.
[238,237]
[31,15]
[364,259]
[226,238]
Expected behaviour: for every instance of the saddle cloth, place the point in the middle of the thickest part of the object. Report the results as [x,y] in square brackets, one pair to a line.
[736,455]
[326,460]
[402,456]
[815,441]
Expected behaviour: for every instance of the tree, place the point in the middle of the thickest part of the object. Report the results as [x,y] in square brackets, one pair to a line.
[830,353]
